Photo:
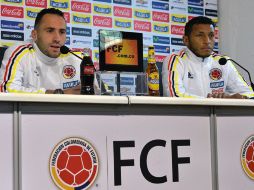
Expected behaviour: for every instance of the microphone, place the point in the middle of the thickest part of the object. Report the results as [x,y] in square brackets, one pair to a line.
[223,61]
[65,50]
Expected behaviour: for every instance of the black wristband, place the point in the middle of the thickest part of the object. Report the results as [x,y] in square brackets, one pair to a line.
[58,91]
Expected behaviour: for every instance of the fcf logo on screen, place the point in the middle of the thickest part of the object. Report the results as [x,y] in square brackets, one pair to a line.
[73,164]
[247,157]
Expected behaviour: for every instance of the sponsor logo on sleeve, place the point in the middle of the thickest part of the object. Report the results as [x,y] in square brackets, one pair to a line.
[11,11]
[59,4]
[102,9]
[216,84]
[142,26]
[74,164]
[82,7]
[160,16]
[247,157]
[123,23]
[12,25]
[122,12]
[177,30]
[102,21]
[18,36]
[81,31]
[161,28]
[123,2]
[79,18]
[161,40]
[36,3]
[142,14]
[215,74]
[160,6]
[196,10]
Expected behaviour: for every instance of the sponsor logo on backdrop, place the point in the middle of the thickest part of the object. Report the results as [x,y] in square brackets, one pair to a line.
[102,21]
[81,31]
[215,74]
[177,41]
[106,1]
[12,25]
[74,164]
[216,33]
[95,43]
[122,12]
[176,8]
[69,71]
[123,23]
[142,26]
[178,18]
[67,17]
[191,17]
[247,157]
[59,4]
[102,9]
[196,2]
[142,3]
[36,3]
[160,16]
[210,12]
[160,5]
[82,7]
[18,36]
[79,18]
[31,13]
[68,40]
[216,45]
[68,30]
[142,14]
[161,49]
[79,41]
[179,2]
[211,5]
[11,11]
[175,49]
[161,40]
[161,28]
[123,2]
[13,1]
[216,84]
[177,30]
[160,58]
[196,10]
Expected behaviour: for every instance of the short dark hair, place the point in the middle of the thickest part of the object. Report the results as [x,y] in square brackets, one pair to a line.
[47,11]
[197,20]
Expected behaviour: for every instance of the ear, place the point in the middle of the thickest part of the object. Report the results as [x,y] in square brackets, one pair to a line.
[186,40]
[34,35]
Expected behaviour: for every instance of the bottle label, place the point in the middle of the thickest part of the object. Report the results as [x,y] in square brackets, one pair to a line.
[89,70]
[153,81]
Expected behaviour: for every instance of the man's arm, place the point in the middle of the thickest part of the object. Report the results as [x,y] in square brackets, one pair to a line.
[172,78]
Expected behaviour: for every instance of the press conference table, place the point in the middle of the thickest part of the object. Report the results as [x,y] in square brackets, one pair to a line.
[140,142]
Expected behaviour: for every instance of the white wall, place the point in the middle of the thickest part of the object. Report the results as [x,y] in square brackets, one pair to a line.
[236,22]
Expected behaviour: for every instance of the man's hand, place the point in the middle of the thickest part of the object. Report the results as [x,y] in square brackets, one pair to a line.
[224,95]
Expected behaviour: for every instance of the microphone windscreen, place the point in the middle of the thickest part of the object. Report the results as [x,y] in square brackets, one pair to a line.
[64,50]
[222,61]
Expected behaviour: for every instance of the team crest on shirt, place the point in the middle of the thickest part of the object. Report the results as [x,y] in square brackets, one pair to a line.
[215,74]
[69,71]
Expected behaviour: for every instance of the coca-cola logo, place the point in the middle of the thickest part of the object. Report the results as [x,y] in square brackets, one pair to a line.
[123,12]
[81,7]
[142,26]
[159,58]
[102,21]
[177,30]
[67,17]
[10,11]
[36,3]
[159,16]
[89,70]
